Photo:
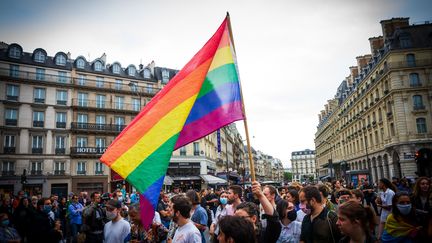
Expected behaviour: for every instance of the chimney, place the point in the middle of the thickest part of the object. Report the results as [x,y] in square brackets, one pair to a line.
[362,61]
[69,55]
[353,71]
[376,43]
[390,25]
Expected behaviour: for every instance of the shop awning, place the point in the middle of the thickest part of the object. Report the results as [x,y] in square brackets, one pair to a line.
[168,181]
[213,180]
[186,178]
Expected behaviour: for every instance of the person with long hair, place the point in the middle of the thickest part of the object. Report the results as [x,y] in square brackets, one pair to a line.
[356,222]
[291,228]
[220,213]
[402,224]
[384,201]
[422,201]
[336,186]
[293,197]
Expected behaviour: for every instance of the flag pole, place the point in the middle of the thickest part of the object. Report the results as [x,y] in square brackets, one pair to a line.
[251,164]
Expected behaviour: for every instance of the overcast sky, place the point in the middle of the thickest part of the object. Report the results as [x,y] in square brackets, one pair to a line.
[292,55]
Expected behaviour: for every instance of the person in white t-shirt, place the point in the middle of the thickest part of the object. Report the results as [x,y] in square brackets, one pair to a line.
[385,202]
[186,232]
[117,230]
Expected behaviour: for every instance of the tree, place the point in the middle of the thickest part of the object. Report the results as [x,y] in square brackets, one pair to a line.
[287,176]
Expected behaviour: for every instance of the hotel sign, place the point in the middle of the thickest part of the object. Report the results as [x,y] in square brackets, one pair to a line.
[88,150]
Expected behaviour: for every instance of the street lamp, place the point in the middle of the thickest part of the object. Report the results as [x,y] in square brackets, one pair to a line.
[134,87]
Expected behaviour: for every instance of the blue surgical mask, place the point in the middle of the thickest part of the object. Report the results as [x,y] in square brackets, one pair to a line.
[5,223]
[120,199]
[404,209]
[47,208]
[223,200]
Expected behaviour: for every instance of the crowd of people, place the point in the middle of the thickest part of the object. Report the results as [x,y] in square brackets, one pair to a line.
[391,211]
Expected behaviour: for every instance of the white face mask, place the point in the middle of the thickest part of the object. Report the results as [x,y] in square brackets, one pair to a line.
[111,215]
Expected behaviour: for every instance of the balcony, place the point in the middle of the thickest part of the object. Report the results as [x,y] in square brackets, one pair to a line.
[60,124]
[8,173]
[60,151]
[99,172]
[386,91]
[61,102]
[38,123]
[419,107]
[389,114]
[81,172]
[87,150]
[97,127]
[95,84]
[112,106]
[59,172]
[9,150]
[36,172]
[12,98]
[11,122]
[39,100]
[37,150]
[37,77]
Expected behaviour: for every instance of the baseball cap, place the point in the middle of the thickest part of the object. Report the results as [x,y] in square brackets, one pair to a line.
[114,203]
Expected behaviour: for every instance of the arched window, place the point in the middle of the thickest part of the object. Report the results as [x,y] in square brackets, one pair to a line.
[39,57]
[414,79]
[418,102]
[131,70]
[116,68]
[146,73]
[60,60]
[98,66]
[421,125]
[411,60]
[80,63]
[15,52]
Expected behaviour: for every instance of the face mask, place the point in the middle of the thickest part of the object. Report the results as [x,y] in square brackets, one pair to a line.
[111,215]
[404,209]
[223,200]
[120,199]
[292,215]
[47,208]
[5,222]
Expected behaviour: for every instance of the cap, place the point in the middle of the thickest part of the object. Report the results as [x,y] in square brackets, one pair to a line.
[105,196]
[114,203]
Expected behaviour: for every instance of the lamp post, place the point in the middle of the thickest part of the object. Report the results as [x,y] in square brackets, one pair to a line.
[134,87]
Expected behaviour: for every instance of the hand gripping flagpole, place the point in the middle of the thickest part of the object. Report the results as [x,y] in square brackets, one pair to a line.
[251,164]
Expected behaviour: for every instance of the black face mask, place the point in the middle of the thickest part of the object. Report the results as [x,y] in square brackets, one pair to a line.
[292,215]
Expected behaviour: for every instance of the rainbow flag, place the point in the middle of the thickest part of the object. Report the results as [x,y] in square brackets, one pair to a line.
[204,96]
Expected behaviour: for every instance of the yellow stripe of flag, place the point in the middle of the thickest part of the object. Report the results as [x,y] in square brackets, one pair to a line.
[223,56]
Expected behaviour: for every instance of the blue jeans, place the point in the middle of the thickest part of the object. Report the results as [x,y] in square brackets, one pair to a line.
[74,228]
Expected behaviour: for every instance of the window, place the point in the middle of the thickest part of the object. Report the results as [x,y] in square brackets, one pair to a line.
[133,86]
[100,122]
[60,60]
[405,42]
[11,117]
[98,66]
[100,142]
[99,82]
[136,104]
[12,92]
[60,144]
[392,129]
[38,118]
[83,99]
[418,102]
[40,74]
[131,71]
[80,63]
[14,71]
[61,96]
[146,73]
[82,120]
[81,168]
[9,144]
[411,60]
[81,79]
[62,78]
[183,151]
[8,168]
[15,52]
[116,68]
[119,121]
[421,125]
[100,101]
[119,102]
[37,144]
[39,57]
[165,76]
[118,84]
[99,168]
[39,95]
[61,119]
[36,168]
[150,88]
[81,142]
[196,148]
[414,80]
[59,168]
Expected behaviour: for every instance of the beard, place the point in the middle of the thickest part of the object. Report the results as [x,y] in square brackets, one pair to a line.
[175,218]
[231,201]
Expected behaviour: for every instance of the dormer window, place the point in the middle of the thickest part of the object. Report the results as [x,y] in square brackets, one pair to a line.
[116,69]
[131,71]
[165,76]
[60,60]
[39,57]
[146,73]
[15,52]
[98,66]
[80,63]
